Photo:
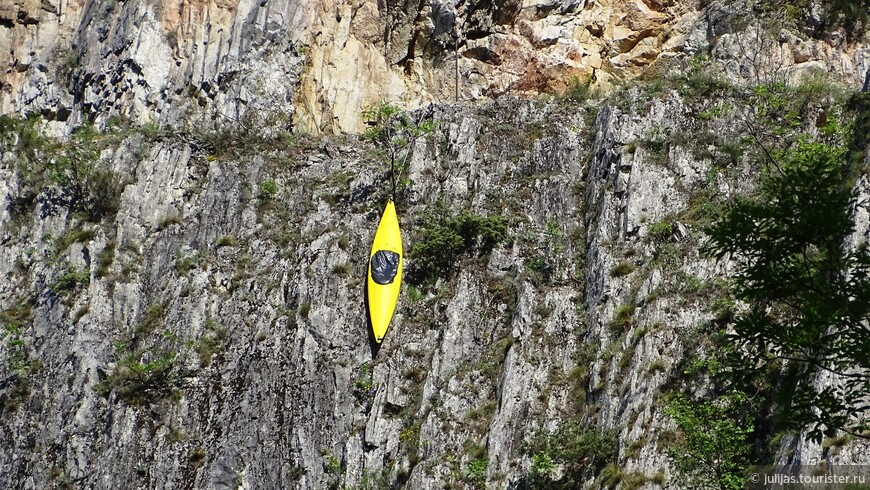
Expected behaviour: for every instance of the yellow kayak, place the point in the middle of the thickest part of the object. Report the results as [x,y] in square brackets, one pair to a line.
[385,272]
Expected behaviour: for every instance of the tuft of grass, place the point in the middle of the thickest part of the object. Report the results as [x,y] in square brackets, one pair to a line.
[169,220]
[414,294]
[622,269]
[151,319]
[304,309]
[105,259]
[658,365]
[211,343]
[72,236]
[623,317]
[183,265]
[342,269]
[225,241]
[197,456]
[661,230]
[343,242]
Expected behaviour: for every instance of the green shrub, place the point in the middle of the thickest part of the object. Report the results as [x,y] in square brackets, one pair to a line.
[151,319]
[268,189]
[414,294]
[542,465]
[657,365]
[73,165]
[582,452]
[197,456]
[16,353]
[18,314]
[851,15]
[579,90]
[304,308]
[331,465]
[661,230]
[376,480]
[75,168]
[211,343]
[379,117]
[343,242]
[441,239]
[151,365]
[72,236]
[184,264]
[71,281]
[394,132]
[475,474]
[142,377]
[714,448]
[104,190]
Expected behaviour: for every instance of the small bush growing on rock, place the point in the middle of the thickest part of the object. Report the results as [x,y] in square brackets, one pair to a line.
[16,354]
[93,190]
[268,189]
[475,474]
[73,165]
[184,264]
[70,237]
[105,259]
[304,308]
[376,480]
[581,451]
[579,90]
[197,456]
[211,343]
[661,230]
[331,464]
[152,359]
[151,319]
[70,281]
[414,294]
[395,131]
[442,239]
[141,377]
[542,466]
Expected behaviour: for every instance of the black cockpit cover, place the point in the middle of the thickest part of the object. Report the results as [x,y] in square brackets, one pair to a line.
[385,264]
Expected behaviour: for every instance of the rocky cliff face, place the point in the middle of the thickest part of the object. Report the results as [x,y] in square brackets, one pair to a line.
[315,65]
[202,324]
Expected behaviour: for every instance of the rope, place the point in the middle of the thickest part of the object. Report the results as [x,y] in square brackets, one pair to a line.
[393,175]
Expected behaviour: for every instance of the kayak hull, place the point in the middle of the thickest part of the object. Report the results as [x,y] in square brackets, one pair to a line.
[382,298]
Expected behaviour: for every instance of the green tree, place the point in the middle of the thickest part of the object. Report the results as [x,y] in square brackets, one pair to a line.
[73,165]
[713,448]
[395,131]
[807,293]
[94,190]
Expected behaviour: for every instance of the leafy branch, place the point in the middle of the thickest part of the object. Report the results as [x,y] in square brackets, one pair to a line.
[396,131]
